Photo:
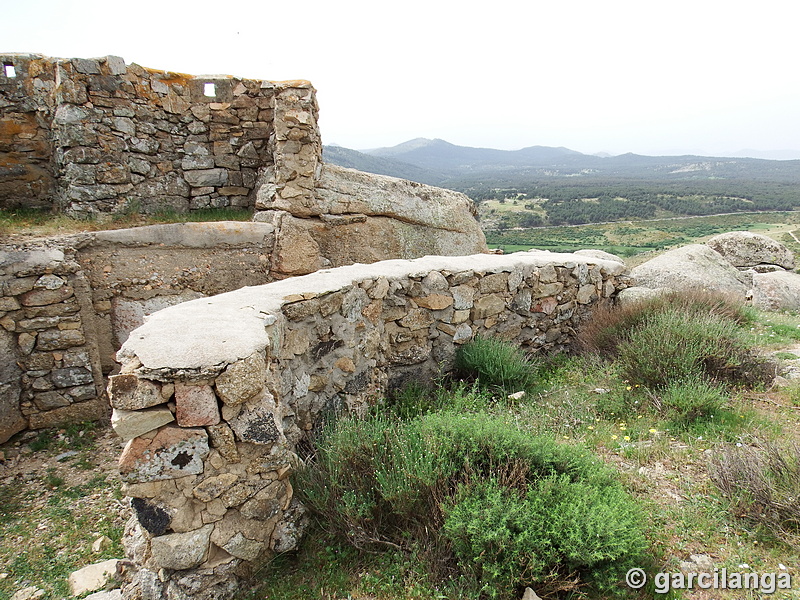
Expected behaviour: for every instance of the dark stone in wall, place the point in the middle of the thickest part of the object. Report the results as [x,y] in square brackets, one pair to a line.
[153,518]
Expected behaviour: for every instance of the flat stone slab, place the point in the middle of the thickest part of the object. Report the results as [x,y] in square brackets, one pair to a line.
[92,577]
[128,424]
[190,235]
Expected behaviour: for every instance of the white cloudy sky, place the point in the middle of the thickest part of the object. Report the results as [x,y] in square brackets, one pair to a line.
[652,77]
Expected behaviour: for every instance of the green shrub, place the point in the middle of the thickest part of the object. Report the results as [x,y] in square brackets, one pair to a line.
[494,362]
[611,325]
[381,483]
[554,529]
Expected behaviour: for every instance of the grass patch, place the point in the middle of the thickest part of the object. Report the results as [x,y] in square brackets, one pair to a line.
[50,517]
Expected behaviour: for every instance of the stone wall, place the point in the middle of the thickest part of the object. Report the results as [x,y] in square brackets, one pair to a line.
[214,394]
[92,289]
[67,304]
[96,136]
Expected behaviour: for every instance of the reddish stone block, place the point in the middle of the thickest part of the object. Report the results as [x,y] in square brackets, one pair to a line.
[196,405]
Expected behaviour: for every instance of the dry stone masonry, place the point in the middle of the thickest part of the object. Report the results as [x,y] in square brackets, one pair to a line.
[214,394]
[98,136]
[67,304]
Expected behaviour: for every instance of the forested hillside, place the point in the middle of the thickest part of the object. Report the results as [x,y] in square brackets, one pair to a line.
[558,186]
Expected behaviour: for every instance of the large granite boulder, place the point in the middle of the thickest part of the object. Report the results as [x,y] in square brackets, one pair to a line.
[695,266]
[746,250]
[357,217]
[778,290]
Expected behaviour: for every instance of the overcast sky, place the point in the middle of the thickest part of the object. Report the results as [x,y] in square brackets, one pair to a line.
[651,77]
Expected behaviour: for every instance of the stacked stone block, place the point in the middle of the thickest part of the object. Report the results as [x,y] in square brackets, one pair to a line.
[214,412]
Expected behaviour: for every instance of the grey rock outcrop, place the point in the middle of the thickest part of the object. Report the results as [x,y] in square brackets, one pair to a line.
[360,217]
[778,290]
[746,250]
[695,266]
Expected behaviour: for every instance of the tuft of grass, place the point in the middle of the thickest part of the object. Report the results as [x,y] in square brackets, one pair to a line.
[495,362]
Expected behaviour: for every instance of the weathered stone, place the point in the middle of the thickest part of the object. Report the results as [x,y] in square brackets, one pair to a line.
[417,319]
[71,376]
[92,577]
[487,306]
[152,517]
[779,290]
[463,297]
[290,529]
[223,441]
[173,452]
[94,409]
[213,487]
[345,364]
[40,297]
[695,266]
[181,550]
[8,303]
[586,293]
[494,284]
[241,547]
[745,249]
[11,419]
[26,342]
[207,177]
[58,340]
[242,380]
[127,391]
[105,595]
[462,334]
[196,405]
[435,301]
[265,504]
[129,424]
[255,423]
[50,400]
[546,305]
[28,593]
[101,544]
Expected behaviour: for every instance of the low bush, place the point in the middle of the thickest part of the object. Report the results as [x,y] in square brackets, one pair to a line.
[610,325]
[676,338]
[762,483]
[509,509]
[494,362]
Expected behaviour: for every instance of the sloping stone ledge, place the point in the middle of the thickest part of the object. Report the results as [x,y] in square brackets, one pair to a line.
[217,392]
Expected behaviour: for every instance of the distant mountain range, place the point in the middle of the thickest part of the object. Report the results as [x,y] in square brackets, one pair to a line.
[438,162]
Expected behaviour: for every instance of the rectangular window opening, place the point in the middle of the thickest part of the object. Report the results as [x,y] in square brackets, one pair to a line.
[9,71]
[210,90]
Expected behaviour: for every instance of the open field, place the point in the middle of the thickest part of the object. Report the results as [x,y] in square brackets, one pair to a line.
[635,237]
